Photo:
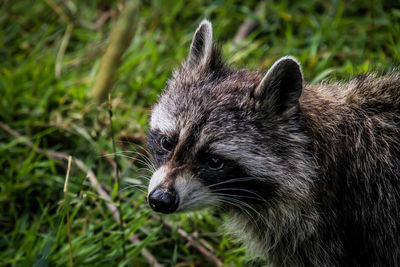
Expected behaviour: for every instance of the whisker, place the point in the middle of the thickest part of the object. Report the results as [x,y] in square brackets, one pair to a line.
[244,204]
[144,169]
[234,203]
[240,196]
[243,190]
[143,177]
[146,159]
[134,186]
[139,176]
[146,156]
[148,165]
[204,199]
[140,147]
[241,179]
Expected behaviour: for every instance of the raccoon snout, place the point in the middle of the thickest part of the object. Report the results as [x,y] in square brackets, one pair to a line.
[164,200]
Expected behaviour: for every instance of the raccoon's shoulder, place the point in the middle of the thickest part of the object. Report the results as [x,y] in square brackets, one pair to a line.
[376,93]
[367,92]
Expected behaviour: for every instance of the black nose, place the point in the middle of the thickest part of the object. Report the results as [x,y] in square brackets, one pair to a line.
[163,200]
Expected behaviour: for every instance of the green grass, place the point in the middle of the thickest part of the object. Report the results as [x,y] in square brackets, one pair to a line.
[334,40]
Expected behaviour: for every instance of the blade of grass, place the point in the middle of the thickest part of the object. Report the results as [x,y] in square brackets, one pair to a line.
[67,204]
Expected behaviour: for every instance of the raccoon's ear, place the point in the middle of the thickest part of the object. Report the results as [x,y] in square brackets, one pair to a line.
[201,49]
[281,87]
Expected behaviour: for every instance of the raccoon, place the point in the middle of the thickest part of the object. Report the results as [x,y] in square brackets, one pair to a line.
[308,173]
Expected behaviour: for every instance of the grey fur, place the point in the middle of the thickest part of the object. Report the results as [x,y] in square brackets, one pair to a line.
[312,172]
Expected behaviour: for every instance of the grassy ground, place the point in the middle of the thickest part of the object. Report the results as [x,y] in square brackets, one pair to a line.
[45,95]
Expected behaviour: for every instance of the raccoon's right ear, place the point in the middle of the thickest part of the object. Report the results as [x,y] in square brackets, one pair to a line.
[281,87]
[201,49]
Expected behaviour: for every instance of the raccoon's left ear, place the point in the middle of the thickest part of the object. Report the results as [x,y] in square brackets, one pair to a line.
[281,87]
[201,49]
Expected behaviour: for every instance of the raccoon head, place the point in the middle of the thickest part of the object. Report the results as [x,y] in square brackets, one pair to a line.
[227,137]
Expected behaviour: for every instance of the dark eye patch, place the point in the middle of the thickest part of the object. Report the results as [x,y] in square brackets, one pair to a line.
[160,146]
[232,180]
[212,168]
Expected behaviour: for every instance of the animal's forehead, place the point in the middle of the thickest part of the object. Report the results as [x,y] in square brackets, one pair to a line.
[172,117]
[190,99]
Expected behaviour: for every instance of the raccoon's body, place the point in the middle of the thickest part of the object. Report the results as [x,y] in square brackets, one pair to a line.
[309,173]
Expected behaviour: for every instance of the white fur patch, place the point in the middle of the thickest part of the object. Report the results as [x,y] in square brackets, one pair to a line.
[157,178]
[193,195]
[162,120]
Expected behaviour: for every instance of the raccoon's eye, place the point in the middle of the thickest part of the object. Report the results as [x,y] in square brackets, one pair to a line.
[214,163]
[166,144]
